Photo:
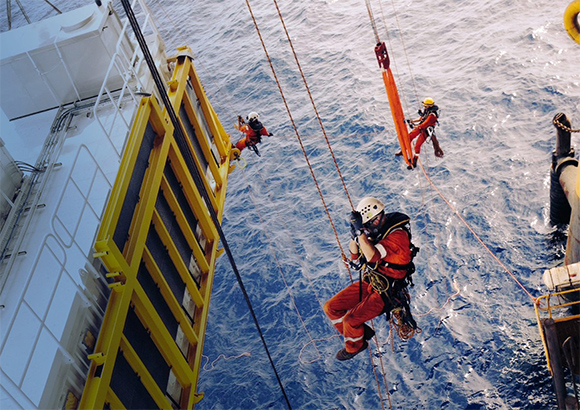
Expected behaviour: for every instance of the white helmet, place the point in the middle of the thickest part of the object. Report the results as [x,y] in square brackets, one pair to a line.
[369,207]
[253,116]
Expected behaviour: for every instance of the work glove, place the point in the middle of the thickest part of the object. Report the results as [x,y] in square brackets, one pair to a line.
[356,220]
[270,135]
[356,224]
[356,264]
[354,234]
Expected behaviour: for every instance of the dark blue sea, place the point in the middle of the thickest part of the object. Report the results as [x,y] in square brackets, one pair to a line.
[499,71]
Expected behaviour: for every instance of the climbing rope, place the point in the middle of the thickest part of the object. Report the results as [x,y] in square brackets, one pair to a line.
[457,292]
[181,141]
[373,23]
[313,104]
[343,255]
[404,47]
[297,133]
[403,330]
[475,234]
[221,356]
[383,373]
[393,59]
[377,377]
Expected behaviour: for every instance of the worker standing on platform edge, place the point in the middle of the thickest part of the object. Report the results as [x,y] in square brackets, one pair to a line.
[424,128]
[254,131]
[382,251]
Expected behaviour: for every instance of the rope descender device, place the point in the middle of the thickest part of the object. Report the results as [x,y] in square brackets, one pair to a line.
[382,55]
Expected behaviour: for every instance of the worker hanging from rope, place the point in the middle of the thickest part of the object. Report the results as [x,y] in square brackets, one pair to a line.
[426,122]
[253,130]
[382,251]
[424,128]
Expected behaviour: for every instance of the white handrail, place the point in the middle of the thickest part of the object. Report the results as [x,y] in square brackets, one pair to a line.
[86,202]
[128,68]
[43,315]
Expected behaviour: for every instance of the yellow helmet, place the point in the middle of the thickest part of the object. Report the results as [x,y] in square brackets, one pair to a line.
[428,102]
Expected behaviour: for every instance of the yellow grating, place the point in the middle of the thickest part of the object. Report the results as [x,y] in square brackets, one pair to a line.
[159,246]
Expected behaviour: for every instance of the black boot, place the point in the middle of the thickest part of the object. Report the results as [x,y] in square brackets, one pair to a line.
[343,355]
[369,332]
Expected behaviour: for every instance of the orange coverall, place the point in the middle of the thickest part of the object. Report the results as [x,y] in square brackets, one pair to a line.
[252,137]
[348,312]
[421,129]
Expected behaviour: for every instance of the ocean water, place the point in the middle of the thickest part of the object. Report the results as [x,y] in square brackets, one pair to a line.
[499,71]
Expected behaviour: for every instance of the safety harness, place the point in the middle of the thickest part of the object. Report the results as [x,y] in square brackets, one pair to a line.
[392,221]
[394,291]
[256,126]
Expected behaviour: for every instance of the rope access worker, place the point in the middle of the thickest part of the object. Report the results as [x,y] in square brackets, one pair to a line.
[254,131]
[382,251]
[425,129]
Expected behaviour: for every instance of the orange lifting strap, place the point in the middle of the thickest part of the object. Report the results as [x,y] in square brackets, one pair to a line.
[394,102]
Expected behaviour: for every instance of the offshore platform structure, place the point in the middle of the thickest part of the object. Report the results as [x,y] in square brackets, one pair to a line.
[558,313]
[109,235]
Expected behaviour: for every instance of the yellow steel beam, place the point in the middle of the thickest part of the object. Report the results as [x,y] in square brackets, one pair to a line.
[144,376]
[215,127]
[192,194]
[179,97]
[177,260]
[105,352]
[111,215]
[221,138]
[198,253]
[150,186]
[203,140]
[221,199]
[113,400]
[196,355]
[162,338]
[169,297]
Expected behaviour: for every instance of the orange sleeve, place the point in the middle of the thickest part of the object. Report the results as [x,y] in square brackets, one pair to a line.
[397,246]
[246,130]
[429,121]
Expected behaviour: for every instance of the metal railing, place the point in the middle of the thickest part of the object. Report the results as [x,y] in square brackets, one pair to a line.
[126,62]
[559,311]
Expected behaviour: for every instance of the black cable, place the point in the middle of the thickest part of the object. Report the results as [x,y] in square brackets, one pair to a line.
[26,167]
[181,142]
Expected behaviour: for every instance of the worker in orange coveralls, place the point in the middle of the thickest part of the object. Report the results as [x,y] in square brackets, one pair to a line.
[425,128]
[254,131]
[381,247]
